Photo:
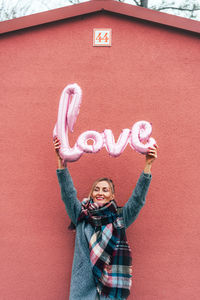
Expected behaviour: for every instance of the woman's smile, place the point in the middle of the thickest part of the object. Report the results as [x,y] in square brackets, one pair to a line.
[99,198]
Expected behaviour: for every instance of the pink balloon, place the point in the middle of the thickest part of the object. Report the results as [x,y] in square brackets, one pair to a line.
[115,149]
[95,136]
[69,106]
[140,137]
[76,94]
[68,110]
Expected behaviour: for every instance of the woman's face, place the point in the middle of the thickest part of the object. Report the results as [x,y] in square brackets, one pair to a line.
[102,193]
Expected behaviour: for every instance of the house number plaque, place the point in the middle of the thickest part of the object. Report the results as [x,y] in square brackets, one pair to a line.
[102,37]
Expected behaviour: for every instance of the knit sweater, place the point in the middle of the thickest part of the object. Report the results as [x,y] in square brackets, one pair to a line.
[82,282]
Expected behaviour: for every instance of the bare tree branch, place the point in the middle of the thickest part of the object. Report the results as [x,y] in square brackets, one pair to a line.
[137,3]
[178,8]
[74,1]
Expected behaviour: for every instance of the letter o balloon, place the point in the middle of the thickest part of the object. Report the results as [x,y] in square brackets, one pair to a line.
[95,136]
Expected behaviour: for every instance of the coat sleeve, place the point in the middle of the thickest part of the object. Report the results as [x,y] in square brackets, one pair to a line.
[137,199]
[69,194]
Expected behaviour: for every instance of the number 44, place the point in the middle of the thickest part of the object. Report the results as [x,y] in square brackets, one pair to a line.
[105,38]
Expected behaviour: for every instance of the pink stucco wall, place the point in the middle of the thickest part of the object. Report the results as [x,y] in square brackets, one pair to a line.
[149,73]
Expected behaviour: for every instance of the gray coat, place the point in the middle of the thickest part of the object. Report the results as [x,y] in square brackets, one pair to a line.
[82,282]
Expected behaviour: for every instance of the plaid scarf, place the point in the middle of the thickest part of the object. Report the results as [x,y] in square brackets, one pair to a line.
[110,254]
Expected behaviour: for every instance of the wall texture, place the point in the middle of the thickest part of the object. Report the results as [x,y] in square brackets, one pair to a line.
[149,73]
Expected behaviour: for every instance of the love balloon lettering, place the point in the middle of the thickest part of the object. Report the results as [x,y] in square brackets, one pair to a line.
[138,137]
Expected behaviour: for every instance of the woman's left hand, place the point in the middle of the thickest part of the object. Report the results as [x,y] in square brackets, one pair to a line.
[150,157]
[151,154]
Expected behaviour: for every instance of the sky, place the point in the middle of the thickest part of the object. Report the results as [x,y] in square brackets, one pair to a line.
[42,5]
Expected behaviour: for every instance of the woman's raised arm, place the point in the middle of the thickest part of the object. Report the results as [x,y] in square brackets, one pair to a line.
[137,199]
[68,191]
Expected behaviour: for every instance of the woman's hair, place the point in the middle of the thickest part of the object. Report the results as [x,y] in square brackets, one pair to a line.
[108,180]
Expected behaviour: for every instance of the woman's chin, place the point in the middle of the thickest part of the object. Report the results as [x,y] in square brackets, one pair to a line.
[100,202]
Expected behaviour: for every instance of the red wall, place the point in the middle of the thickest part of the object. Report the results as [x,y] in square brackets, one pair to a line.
[149,73]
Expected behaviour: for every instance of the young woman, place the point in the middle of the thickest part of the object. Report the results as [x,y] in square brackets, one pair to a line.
[102,268]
